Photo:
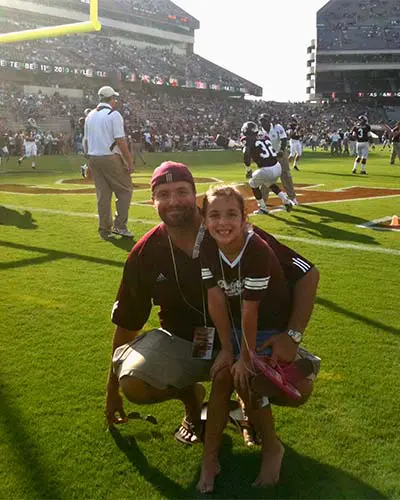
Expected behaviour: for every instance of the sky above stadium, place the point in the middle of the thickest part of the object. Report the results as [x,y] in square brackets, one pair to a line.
[264,41]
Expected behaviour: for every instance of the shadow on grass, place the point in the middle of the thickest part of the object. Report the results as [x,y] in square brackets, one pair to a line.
[362,319]
[51,255]
[325,227]
[22,220]
[31,474]
[301,476]
[167,487]
[123,243]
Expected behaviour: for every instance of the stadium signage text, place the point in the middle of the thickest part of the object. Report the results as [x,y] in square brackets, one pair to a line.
[131,77]
[50,68]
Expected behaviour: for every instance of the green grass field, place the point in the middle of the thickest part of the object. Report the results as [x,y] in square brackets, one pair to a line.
[59,281]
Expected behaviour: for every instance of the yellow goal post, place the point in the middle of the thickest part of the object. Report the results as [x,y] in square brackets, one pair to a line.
[54,31]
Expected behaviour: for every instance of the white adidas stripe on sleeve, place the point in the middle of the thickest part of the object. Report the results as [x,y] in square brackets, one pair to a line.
[300,263]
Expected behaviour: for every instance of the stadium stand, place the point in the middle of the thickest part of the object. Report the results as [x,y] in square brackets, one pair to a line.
[358,25]
[358,50]
[165,87]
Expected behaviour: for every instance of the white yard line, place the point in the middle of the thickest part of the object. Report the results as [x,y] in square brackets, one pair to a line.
[338,244]
[308,241]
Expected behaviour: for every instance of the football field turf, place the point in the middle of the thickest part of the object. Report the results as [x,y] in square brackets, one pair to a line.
[59,282]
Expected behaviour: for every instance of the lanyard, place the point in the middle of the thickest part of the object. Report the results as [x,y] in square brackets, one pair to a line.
[229,305]
[199,238]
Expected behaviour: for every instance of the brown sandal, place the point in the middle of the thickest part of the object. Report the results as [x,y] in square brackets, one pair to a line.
[238,418]
[189,433]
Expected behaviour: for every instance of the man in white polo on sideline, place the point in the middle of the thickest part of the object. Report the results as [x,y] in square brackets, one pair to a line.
[110,162]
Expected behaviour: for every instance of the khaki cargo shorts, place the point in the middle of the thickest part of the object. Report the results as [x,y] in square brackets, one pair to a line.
[162,360]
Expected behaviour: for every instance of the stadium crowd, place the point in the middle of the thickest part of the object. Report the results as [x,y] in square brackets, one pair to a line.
[366,24]
[162,10]
[177,120]
[110,55]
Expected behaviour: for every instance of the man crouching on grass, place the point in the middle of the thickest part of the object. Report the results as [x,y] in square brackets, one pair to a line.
[164,269]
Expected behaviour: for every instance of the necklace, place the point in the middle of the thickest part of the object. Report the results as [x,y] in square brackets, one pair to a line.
[195,254]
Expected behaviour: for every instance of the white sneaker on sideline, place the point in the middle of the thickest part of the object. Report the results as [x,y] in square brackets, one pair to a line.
[289,204]
[123,232]
[260,211]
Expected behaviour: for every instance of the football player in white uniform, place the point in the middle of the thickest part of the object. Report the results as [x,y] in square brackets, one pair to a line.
[30,143]
[296,148]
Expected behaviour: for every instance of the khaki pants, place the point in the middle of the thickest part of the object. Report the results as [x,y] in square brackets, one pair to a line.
[286,178]
[161,360]
[110,176]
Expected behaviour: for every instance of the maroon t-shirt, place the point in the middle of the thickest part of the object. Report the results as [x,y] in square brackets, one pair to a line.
[254,275]
[149,279]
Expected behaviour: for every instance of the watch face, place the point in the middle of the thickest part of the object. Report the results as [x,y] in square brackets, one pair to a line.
[295,336]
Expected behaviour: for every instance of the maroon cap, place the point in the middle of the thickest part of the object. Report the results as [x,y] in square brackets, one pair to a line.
[170,171]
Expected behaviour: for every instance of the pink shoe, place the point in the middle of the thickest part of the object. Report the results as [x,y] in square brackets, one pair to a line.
[277,376]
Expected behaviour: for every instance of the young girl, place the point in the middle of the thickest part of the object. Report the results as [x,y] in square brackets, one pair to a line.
[249,301]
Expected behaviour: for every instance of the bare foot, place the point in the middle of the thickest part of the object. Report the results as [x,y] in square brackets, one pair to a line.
[271,462]
[209,471]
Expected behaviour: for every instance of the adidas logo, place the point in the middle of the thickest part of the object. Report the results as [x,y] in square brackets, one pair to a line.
[160,278]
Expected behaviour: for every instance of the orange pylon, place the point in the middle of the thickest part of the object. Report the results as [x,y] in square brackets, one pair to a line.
[395,221]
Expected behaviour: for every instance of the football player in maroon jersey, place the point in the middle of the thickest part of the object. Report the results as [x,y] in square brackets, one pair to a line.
[362,133]
[259,149]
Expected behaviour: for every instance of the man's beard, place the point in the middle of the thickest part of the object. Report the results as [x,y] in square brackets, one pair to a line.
[183,217]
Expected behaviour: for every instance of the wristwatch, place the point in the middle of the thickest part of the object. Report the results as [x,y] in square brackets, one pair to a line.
[295,335]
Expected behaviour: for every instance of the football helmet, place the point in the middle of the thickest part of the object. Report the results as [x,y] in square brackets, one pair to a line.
[249,129]
[87,111]
[363,119]
[264,121]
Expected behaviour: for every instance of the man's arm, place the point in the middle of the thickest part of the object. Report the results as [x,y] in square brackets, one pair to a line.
[125,153]
[304,293]
[284,142]
[283,347]
[283,138]
[85,141]
[131,309]
[247,158]
[114,403]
